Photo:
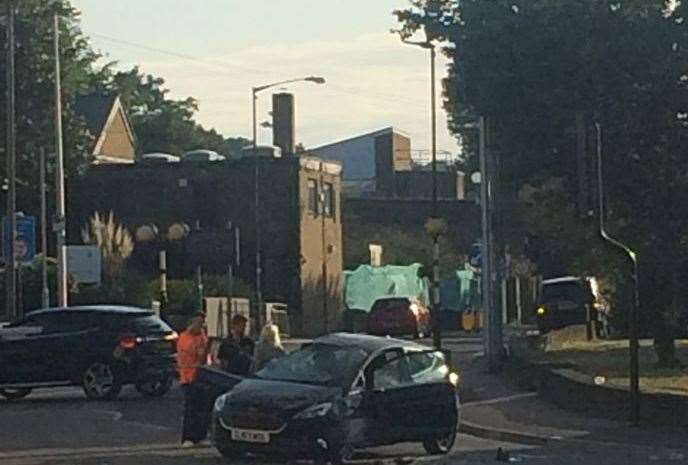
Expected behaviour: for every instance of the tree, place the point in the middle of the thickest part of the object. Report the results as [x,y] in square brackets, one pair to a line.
[162,124]
[531,66]
[34,69]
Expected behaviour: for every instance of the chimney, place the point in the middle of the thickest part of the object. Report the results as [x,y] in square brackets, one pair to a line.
[283,122]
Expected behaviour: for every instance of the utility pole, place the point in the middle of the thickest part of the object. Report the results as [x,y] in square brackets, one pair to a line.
[256,201]
[61,219]
[493,336]
[633,342]
[45,294]
[10,260]
[436,320]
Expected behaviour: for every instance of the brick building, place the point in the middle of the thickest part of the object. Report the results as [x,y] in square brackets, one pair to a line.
[299,219]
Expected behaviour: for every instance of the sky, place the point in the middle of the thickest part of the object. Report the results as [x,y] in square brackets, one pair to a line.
[216,50]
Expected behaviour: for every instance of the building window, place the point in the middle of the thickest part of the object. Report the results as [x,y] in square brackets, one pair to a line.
[313,196]
[328,200]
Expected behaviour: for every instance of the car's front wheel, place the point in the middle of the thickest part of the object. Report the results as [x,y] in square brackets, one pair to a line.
[100,382]
[442,445]
[340,455]
[155,387]
[15,394]
[228,453]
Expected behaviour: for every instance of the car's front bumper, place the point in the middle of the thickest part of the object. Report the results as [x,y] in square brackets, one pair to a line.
[304,439]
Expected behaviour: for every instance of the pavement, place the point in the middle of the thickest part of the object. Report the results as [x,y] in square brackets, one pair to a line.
[494,408]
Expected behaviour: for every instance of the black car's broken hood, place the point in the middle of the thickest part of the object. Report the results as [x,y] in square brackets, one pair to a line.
[279,396]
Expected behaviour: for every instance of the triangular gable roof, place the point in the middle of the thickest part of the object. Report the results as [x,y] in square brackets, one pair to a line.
[98,111]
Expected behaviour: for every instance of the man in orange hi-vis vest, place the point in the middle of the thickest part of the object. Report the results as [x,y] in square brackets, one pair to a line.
[192,352]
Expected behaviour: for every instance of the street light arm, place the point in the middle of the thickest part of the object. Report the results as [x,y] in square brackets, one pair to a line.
[426,44]
[315,79]
[600,182]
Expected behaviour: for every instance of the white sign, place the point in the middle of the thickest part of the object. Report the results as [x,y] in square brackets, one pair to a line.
[84,263]
[375,254]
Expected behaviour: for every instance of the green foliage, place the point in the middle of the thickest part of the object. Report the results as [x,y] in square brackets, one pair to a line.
[162,124]
[530,67]
[400,246]
[34,69]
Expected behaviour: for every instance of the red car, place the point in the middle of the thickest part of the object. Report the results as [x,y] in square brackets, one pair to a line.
[399,316]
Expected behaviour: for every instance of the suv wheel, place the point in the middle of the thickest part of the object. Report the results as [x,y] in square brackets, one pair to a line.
[99,381]
[156,387]
[15,394]
[441,446]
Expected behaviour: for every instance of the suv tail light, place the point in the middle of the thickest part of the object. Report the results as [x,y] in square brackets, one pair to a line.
[129,341]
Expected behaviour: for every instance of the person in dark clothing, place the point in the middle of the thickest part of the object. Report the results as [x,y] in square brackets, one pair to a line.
[236,351]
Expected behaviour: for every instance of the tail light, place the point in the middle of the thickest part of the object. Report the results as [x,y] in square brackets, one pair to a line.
[129,341]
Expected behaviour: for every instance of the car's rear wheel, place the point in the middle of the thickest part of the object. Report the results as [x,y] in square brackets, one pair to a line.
[155,387]
[15,394]
[100,382]
[442,445]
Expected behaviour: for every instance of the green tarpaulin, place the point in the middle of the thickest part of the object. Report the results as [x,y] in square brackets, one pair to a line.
[366,284]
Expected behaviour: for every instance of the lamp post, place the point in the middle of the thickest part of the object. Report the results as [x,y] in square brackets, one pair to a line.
[633,343]
[436,325]
[256,183]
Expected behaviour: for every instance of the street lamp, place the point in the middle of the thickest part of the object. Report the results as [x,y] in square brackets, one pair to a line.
[633,343]
[436,326]
[256,185]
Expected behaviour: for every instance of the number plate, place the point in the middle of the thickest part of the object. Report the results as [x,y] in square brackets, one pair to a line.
[247,435]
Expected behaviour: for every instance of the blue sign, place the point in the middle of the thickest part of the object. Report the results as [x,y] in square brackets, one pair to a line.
[25,243]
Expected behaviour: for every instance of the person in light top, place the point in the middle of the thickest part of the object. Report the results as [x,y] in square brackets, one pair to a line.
[269,347]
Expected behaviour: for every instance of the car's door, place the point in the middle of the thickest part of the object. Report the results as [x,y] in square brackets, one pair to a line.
[69,338]
[384,397]
[433,407]
[22,356]
[408,396]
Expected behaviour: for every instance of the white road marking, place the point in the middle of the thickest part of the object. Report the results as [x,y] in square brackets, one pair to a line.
[499,400]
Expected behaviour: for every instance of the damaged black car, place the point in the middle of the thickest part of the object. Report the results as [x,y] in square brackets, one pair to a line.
[340,393]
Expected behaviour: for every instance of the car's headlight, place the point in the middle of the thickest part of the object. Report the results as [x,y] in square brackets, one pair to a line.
[316,411]
[220,403]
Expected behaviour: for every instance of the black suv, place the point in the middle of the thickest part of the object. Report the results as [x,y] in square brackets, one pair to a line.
[100,348]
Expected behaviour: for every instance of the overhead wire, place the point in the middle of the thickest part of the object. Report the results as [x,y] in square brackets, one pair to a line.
[222,67]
